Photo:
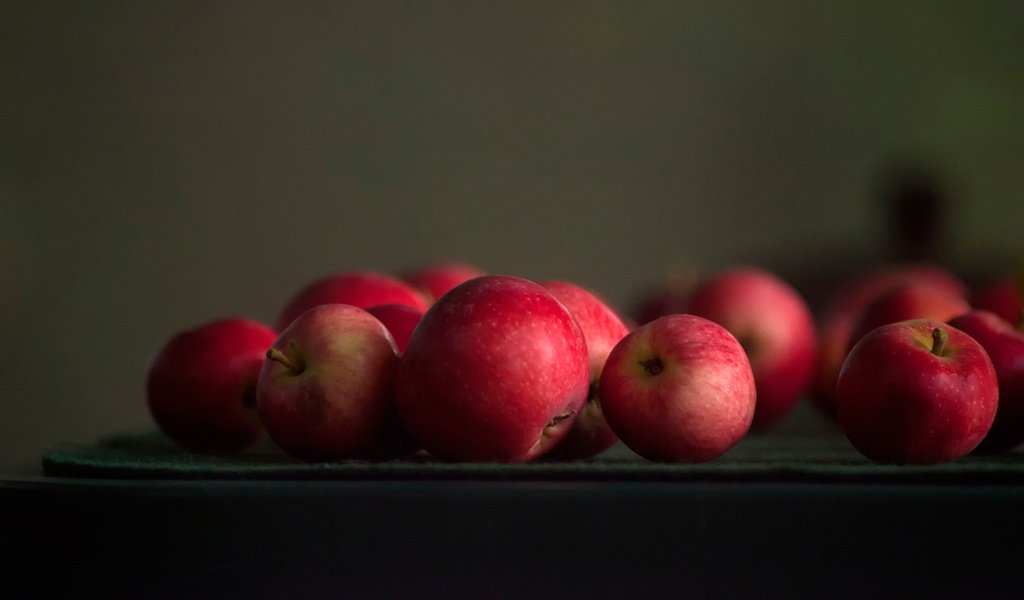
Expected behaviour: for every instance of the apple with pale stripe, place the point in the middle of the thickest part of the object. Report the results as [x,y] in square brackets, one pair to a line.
[496,370]
[679,389]
[326,388]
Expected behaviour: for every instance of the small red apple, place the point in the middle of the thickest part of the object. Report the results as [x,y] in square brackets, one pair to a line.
[496,370]
[1001,297]
[679,388]
[909,301]
[1005,346]
[400,319]
[845,306]
[916,392]
[361,289]
[326,389]
[774,325]
[201,388]
[436,279]
[590,434]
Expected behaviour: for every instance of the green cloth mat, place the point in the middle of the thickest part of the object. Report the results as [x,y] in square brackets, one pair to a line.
[823,457]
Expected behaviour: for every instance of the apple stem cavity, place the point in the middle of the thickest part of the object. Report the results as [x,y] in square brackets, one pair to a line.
[939,339]
[653,366]
[278,356]
[559,418]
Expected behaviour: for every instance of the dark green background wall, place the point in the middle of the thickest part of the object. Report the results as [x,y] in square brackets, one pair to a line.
[167,163]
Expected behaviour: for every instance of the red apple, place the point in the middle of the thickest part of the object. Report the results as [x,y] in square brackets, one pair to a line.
[496,370]
[326,389]
[201,389]
[400,320]
[1005,346]
[916,392]
[774,325]
[845,306]
[909,301]
[679,388]
[361,289]
[602,328]
[435,280]
[1001,297]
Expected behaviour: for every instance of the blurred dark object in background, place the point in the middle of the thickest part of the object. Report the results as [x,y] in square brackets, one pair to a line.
[915,206]
[912,228]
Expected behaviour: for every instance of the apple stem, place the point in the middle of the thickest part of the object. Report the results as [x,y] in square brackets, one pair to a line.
[276,355]
[939,339]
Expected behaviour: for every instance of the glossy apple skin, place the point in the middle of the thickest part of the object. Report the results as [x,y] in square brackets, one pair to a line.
[340,402]
[1001,297]
[1005,347]
[775,326]
[435,280]
[400,320]
[361,289]
[497,370]
[602,328]
[909,301]
[844,308]
[897,402]
[201,388]
[699,405]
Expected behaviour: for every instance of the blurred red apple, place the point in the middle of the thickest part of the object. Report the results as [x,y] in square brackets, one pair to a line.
[497,370]
[361,289]
[1001,297]
[844,308]
[916,392]
[1005,347]
[435,280]
[909,301]
[590,434]
[201,388]
[400,320]
[775,327]
[679,388]
[326,389]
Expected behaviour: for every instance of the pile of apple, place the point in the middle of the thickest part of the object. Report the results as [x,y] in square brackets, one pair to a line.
[918,370]
[474,367]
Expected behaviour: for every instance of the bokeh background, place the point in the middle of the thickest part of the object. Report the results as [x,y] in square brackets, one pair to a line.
[163,164]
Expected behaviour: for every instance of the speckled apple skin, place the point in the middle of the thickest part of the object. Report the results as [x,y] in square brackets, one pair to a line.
[1005,347]
[699,406]
[489,367]
[602,328]
[843,310]
[776,328]
[897,402]
[341,404]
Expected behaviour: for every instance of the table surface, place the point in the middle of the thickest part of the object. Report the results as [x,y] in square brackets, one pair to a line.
[792,514]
